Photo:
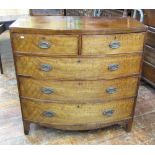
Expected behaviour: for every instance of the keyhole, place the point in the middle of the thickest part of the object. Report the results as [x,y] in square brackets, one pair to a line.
[79,83]
[79,61]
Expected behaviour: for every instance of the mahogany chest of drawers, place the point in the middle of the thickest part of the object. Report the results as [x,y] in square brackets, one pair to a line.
[148,69]
[77,73]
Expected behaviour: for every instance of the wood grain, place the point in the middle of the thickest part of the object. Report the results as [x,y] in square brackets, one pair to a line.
[150,37]
[60,44]
[76,25]
[91,113]
[79,79]
[149,54]
[149,72]
[148,68]
[78,68]
[99,44]
[78,91]
[149,15]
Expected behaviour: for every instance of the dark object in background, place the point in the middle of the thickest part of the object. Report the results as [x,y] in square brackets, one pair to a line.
[47,12]
[1,67]
[1,30]
[148,70]
[78,12]
[149,15]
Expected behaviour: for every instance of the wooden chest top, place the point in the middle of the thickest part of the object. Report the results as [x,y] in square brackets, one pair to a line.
[76,25]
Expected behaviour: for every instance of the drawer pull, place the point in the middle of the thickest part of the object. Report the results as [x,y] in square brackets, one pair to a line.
[46,67]
[48,114]
[44,44]
[111,90]
[114,44]
[108,112]
[47,90]
[113,67]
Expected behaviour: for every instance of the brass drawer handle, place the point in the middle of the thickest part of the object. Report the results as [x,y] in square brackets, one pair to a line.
[111,90]
[46,90]
[44,44]
[115,44]
[113,67]
[108,112]
[46,67]
[48,113]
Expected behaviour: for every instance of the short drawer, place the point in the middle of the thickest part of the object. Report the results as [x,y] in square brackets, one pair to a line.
[45,44]
[78,68]
[112,44]
[74,114]
[78,91]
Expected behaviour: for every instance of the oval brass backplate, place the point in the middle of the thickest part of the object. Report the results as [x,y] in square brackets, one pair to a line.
[44,44]
[108,112]
[115,44]
[111,90]
[46,67]
[46,90]
[113,67]
[48,113]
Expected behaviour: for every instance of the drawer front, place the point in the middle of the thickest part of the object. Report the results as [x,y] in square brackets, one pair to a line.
[149,72]
[150,38]
[69,114]
[78,91]
[149,54]
[112,44]
[45,44]
[78,68]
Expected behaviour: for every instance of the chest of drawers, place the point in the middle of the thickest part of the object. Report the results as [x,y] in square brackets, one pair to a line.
[77,73]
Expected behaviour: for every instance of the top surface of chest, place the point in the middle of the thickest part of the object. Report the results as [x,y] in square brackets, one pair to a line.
[76,25]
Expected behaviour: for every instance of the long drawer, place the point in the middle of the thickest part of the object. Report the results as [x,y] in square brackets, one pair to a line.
[112,44]
[78,91]
[108,67]
[74,114]
[45,44]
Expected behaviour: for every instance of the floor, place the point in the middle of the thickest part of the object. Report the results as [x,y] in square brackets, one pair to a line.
[11,128]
